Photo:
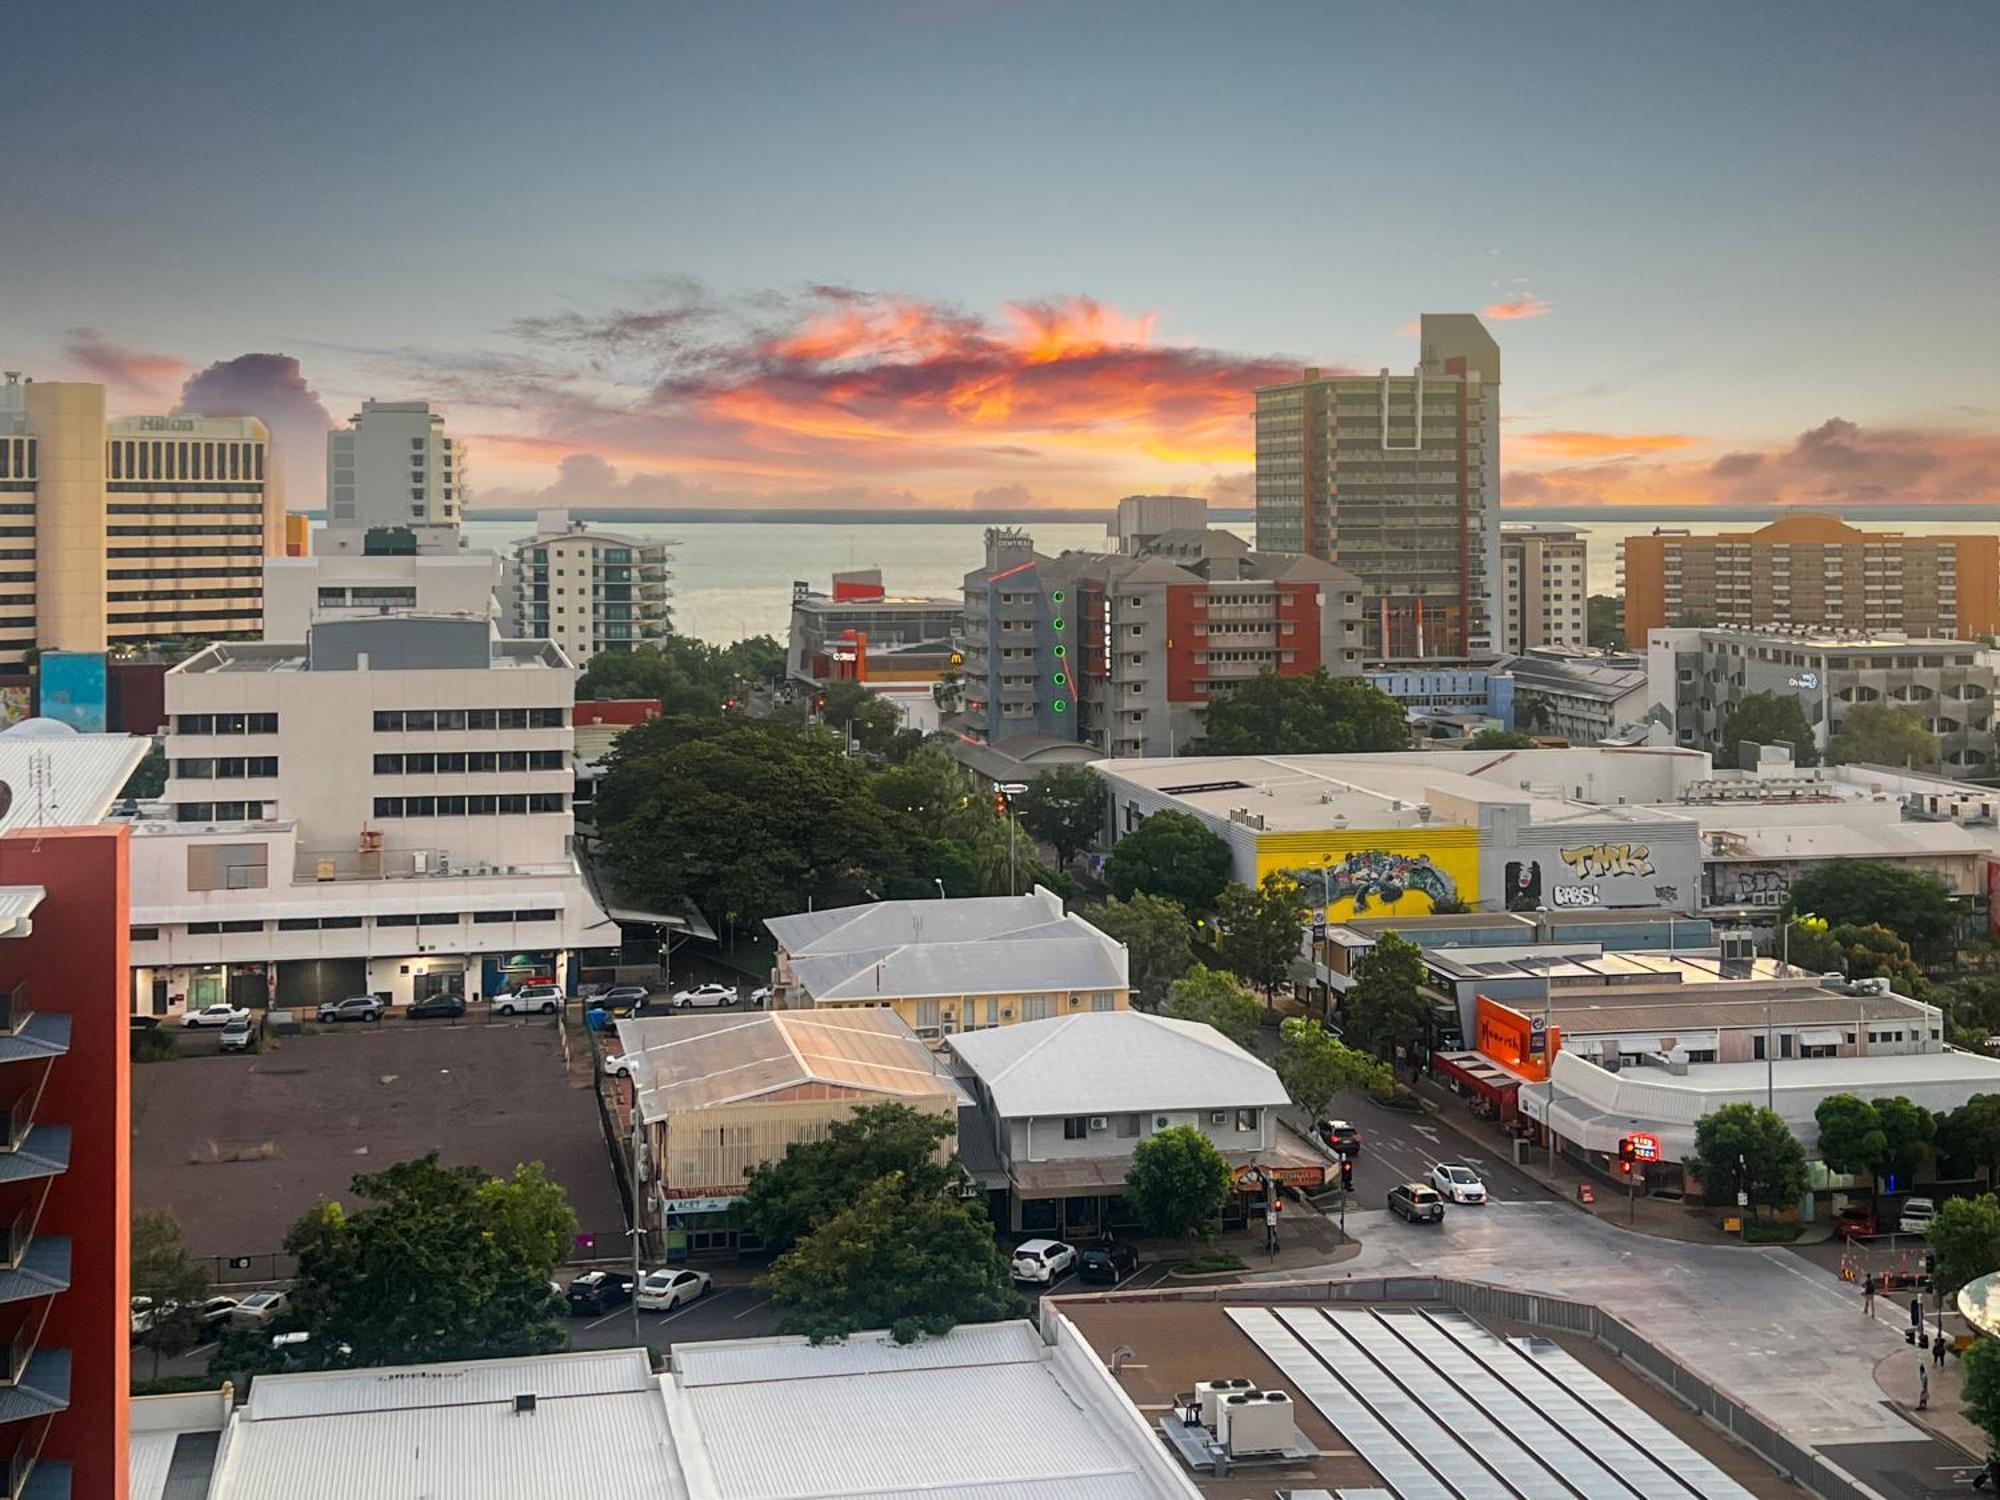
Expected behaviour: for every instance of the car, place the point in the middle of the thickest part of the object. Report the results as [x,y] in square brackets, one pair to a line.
[259,1308]
[353,1008]
[706,994]
[438,1007]
[619,1066]
[761,996]
[1418,1202]
[145,1023]
[216,1311]
[238,1035]
[625,999]
[1856,1222]
[1107,1265]
[1458,1182]
[143,1315]
[1042,1260]
[218,1014]
[664,1290]
[529,999]
[1916,1216]
[1340,1136]
[599,1291]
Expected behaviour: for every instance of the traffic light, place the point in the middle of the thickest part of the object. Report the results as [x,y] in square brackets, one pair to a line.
[1347,1174]
[1930,1263]
[1627,1154]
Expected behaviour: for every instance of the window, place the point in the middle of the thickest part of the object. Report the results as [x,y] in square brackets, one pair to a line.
[422,764]
[195,770]
[388,765]
[397,919]
[439,919]
[1101,1000]
[144,934]
[388,719]
[1034,1007]
[298,924]
[420,807]
[927,1014]
[332,922]
[1246,1119]
[545,718]
[420,719]
[481,718]
[537,914]
[451,718]
[388,807]
[244,926]
[1076,1128]
[1128,1127]
[491,917]
[513,718]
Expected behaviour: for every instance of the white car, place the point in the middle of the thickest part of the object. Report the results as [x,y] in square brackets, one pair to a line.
[1458,1182]
[1917,1216]
[619,1066]
[529,999]
[218,1014]
[1043,1260]
[662,1291]
[761,996]
[258,1309]
[705,994]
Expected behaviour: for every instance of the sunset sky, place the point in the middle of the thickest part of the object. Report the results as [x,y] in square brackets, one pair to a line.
[947,252]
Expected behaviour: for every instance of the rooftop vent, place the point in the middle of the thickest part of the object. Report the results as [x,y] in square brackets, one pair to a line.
[524,1404]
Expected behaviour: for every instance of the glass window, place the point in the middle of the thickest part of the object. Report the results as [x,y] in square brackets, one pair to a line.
[451,807]
[451,718]
[514,803]
[1246,1119]
[388,719]
[1076,1127]
[420,807]
[482,806]
[420,763]
[513,718]
[194,723]
[231,724]
[545,718]
[451,763]
[513,760]
[388,765]
[545,802]
[388,807]
[481,718]
[397,919]
[198,770]
[481,760]
[419,718]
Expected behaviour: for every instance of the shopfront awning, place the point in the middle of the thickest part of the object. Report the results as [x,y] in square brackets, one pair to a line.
[1479,1073]
[1822,1036]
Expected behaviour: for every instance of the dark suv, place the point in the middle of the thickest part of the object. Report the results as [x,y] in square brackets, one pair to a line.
[1107,1264]
[599,1291]
[1417,1202]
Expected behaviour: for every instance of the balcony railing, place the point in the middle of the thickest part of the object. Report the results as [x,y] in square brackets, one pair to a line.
[14,1010]
[20,1120]
[406,864]
[20,1234]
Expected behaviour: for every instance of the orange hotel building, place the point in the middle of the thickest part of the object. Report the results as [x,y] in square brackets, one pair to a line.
[1814,570]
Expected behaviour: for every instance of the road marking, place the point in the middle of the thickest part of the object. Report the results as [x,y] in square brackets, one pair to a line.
[1427,1131]
[616,1312]
[750,1309]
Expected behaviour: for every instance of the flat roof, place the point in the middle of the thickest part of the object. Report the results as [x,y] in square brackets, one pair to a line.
[57,777]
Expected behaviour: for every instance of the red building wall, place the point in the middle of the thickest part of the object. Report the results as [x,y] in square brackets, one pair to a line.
[1186,604]
[1299,608]
[615,710]
[75,962]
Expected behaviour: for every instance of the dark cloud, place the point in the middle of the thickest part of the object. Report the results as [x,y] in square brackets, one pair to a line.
[271,388]
[1736,465]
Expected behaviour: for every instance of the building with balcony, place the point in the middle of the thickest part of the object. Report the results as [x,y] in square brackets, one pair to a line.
[1544,586]
[383,809]
[394,465]
[1578,695]
[589,591]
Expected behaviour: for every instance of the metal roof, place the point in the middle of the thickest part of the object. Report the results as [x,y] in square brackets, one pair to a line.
[733,1361]
[890,924]
[17,905]
[1113,1062]
[1065,957]
[594,1372]
[63,780]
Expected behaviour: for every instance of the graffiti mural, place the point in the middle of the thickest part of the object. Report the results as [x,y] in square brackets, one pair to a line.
[1524,885]
[1755,887]
[1375,881]
[1599,861]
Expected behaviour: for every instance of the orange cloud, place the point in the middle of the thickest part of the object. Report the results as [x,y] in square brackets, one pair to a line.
[1559,444]
[1520,305]
[132,373]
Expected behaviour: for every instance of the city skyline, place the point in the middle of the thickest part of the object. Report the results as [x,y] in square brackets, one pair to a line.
[966,255]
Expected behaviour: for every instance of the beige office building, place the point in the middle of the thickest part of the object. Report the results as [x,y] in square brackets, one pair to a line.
[122,530]
[1544,586]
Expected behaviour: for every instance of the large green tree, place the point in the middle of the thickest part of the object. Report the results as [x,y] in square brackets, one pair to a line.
[1064,808]
[1907,1132]
[1262,929]
[1314,1067]
[1171,854]
[1216,999]
[170,1278]
[1158,939]
[1969,1137]
[868,719]
[1881,734]
[1500,739]
[898,1255]
[1913,904]
[1385,1009]
[445,1263]
[1981,1392]
[1765,719]
[1747,1148]
[786,1199]
[1307,714]
[1851,1138]
[1605,617]
[149,777]
[1177,1183]
[687,676]
[1966,1238]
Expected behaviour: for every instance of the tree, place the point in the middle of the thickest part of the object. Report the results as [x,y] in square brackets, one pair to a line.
[1981,1393]
[1913,904]
[1766,719]
[1966,1236]
[1314,1067]
[1907,1131]
[1851,1138]
[1809,944]
[1604,627]
[1306,714]
[1177,1183]
[1532,711]
[1064,808]
[1159,943]
[1881,734]
[686,675]
[1969,1137]
[1500,739]
[164,1272]
[446,1263]
[899,1255]
[1384,1010]
[1874,951]
[786,1199]
[1262,929]
[1171,854]
[870,720]
[1215,999]
[149,777]
[1745,1148]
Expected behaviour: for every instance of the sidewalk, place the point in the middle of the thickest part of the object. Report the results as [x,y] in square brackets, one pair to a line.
[1945,1416]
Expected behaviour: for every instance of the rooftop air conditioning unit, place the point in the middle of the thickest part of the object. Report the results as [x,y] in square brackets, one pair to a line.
[1100,1122]
[1209,1395]
[1257,1422]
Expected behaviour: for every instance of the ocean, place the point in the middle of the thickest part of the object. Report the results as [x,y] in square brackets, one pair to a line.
[734,578]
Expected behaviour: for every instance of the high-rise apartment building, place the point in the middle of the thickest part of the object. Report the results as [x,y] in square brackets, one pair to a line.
[589,591]
[1124,651]
[128,529]
[394,465]
[1544,586]
[1813,572]
[1397,479]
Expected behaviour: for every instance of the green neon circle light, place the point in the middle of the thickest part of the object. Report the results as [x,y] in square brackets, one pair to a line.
[1057,596]
[1059,623]
[1062,679]
[1060,706]
[1061,649]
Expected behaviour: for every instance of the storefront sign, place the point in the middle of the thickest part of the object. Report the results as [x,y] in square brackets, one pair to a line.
[1519,1043]
[699,1205]
[1645,1147]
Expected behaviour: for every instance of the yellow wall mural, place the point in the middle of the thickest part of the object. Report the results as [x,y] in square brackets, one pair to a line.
[1376,872]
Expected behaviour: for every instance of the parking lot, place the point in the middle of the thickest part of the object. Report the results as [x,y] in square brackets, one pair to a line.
[237,1146]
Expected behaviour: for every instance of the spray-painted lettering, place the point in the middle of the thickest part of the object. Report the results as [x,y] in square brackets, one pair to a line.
[1598,861]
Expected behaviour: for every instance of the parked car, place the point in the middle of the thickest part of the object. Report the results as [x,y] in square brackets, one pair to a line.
[1340,1136]
[1417,1202]
[625,999]
[218,1014]
[143,1315]
[1856,1222]
[599,1291]
[664,1290]
[1916,1216]
[259,1308]
[145,1023]
[1042,1260]
[238,1035]
[529,999]
[216,1312]
[705,994]
[619,1066]
[1458,1182]
[761,996]
[438,1007]
[353,1008]
[1107,1265]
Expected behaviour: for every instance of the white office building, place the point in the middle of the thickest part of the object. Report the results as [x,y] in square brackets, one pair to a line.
[300,592]
[394,465]
[383,810]
[588,591]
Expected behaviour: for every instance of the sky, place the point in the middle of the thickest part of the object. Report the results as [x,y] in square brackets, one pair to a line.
[947,253]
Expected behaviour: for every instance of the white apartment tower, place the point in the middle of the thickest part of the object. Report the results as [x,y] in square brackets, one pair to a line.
[394,465]
[589,591]
[1544,587]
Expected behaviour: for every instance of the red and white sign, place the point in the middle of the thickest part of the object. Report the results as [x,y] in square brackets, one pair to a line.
[1645,1147]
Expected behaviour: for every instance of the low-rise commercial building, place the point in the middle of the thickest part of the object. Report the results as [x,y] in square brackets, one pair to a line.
[1476,699]
[859,632]
[950,966]
[1064,1104]
[300,592]
[1580,696]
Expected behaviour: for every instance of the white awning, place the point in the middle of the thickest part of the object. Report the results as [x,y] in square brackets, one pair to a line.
[1822,1036]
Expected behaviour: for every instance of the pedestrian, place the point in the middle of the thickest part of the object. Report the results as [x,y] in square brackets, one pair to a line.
[1868,1294]
[1923,1384]
[1938,1349]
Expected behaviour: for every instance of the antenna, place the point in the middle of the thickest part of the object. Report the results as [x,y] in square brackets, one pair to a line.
[40,782]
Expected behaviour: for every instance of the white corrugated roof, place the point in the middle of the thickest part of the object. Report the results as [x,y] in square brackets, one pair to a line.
[1064,956]
[1114,1062]
[61,779]
[17,904]
[593,1372]
[152,1454]
[733,1361]
[890,924]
